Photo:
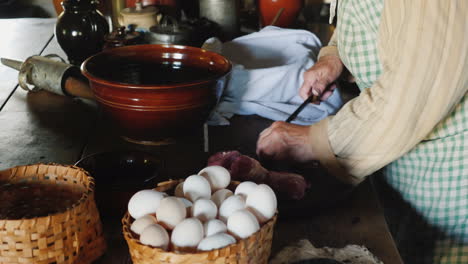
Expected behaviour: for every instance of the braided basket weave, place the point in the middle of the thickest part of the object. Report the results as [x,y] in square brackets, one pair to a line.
[70,236]
[254,249]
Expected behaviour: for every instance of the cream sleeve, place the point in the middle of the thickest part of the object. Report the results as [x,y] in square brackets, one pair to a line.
[423,47]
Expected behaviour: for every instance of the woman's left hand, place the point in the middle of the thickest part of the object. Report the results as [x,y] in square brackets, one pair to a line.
[287,142]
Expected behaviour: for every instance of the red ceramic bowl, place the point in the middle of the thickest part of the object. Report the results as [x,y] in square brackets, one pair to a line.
[155,92]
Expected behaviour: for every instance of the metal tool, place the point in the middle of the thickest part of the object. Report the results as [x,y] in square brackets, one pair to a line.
[170,31]
[45,73]
[225,13]
[312,98]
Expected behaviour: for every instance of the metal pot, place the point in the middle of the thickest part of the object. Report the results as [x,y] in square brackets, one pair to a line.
[225,13]
[169,31]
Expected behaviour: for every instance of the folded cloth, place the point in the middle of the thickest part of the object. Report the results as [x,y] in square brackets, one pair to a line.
[268,68]
[303,250]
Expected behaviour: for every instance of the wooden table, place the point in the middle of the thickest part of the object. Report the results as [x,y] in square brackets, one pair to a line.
[43,127]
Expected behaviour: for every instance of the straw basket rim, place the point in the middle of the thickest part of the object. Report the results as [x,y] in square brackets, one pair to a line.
[72,235]
[126,222]
[130,238]
[88,183]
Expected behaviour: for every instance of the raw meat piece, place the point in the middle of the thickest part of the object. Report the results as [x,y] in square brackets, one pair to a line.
[223,159]
[290,185]
[245,168]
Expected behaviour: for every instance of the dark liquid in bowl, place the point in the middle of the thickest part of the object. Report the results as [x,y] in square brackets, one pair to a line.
[147,73]
[34,199]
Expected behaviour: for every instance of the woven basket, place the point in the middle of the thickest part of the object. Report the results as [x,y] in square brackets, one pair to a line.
[73,235]
[254,249]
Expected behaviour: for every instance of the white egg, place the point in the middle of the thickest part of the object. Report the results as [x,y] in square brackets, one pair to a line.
[244,188]
[214,226]
[188,205]
[179,190]
[230,205]
[218,177]
[144,202]
[204,210]
[156,236]
[186,202]
[170,212]
[187,233]
[242,224]
[220,195]
[141,223]
[262,203]
[196,187]
[216,241]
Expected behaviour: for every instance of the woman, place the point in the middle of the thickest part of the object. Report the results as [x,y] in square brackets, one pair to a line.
[410,60]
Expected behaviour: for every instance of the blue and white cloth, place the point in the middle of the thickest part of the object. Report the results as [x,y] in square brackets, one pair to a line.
[268,68]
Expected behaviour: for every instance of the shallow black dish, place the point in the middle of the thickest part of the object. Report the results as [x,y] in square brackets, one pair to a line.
[118,175]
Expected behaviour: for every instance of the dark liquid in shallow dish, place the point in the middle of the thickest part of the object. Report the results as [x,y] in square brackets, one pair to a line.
[147,73]
[33,199]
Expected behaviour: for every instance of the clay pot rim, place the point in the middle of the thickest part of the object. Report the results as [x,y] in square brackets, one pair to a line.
[121,85]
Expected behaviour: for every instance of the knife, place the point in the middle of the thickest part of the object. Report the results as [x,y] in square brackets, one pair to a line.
[312,98]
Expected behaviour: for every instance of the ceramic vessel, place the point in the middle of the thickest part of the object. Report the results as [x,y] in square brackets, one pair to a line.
[140,17]
[148,103]
[80,30]
[268,9]
[59,9]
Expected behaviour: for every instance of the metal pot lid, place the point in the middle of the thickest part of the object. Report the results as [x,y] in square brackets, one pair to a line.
[170,26]
[139,10]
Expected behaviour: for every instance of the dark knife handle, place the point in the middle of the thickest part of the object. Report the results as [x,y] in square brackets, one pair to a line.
[312,98]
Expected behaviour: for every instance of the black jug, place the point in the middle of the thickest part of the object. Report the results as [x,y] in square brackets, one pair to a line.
[80,30]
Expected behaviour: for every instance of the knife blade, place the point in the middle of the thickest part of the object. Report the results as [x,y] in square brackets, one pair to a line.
[312,98]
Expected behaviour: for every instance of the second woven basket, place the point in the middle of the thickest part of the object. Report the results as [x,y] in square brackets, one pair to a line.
[254,249]
[70,236]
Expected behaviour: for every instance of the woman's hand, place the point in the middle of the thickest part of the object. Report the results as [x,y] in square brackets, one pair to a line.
[284,141]
[318,77]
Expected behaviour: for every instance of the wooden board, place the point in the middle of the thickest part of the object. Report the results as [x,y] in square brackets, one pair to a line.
[42,127]
[37,127]
[356,220]
[16,44]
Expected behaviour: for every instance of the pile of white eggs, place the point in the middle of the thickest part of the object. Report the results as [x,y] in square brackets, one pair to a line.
[203,215]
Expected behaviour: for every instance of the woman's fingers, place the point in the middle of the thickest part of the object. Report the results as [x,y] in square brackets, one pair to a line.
[328,92]
[319,88]
[266,144]
[318,77]
[269,141]
[283,141]
[305,90]
[310,81]
[314,83]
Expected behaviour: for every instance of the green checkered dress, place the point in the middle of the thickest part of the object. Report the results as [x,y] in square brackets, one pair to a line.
[433,176]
